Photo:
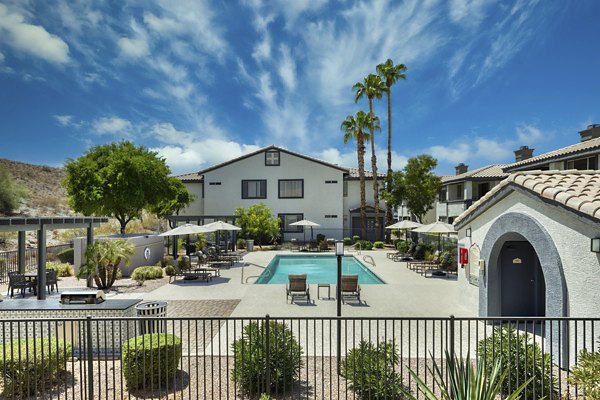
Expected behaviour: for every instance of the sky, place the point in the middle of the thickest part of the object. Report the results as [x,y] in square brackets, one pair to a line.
[201,82]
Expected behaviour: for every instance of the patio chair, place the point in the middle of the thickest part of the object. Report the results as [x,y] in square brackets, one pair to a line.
[350,287]
[18,281]
[409,255]
[51,280]
[297,287]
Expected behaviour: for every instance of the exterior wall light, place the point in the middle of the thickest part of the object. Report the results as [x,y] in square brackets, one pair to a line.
[596,245]
[468,232]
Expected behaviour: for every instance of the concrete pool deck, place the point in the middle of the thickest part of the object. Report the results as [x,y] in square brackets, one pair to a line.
[405,294]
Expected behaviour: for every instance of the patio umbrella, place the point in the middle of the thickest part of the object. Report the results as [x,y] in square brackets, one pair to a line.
[305,222]
[186,229]
[436,228]
[221,226]
[404,225]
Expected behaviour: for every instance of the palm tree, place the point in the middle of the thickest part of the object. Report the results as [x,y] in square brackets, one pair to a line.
[391,74]
[372,87]
[354,128]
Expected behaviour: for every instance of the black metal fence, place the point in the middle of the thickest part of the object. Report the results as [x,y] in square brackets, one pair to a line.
[288,358]
[9,260]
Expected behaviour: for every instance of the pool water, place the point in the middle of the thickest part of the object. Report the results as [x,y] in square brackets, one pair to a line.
[318,269]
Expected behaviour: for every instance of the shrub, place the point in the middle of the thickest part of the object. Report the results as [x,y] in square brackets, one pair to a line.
[67,256]
[371,370]
[378,245]
[140,360]
[320,237]
[265,396]
[402,245]
[167,260]
[182,262]
[355,238]
[146,273]
[62,270]
[348,241]
[46,358]
[119,275]
[522,358]
[241,243]
[170,270]
[323,245]
[250,357]
[363,245]
[586,375]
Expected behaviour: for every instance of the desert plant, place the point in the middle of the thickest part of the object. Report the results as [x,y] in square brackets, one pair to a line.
[378,245]
[586,374]
[240,243]
[141,274]
[62,269]
[170,270]
[461,382]
[249,353]
[150,361]
[67,256]
[371,370]
[102,261]
[11,193]
[355,238]
[46,359]
[522,358]
[348,241]
[363,245]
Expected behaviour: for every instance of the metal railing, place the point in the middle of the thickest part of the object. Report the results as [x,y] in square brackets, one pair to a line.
[9,260]
[210,361]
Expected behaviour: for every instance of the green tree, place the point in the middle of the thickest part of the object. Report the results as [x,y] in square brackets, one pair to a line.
[179,198]
[11,193]
[119,180]
[354,128]
[102,261]
[391,74]
[372,87]
[416,184]
[257,223]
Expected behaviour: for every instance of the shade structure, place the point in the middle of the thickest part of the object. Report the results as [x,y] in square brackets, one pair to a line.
[186,229]
[436,227]
[221,226]
[305,222]
[404,224]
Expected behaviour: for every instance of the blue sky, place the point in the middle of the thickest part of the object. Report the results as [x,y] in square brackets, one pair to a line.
[204,81]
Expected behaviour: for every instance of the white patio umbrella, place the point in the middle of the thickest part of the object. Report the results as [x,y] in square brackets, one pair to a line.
[305,222]
[436,228]
[404,225]
[221,226]
[186,229]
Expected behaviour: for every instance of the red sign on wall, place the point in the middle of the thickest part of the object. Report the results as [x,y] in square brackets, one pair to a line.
[464,256]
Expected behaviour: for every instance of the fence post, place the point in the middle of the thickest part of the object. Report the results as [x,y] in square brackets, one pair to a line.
[452,332]
[90,360]
[268,354]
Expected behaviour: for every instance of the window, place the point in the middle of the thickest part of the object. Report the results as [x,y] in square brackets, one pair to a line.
[330,216]
[330,181]
[254,189]
[345,188]
[291,188]
[459,191]
[582,163]
[483,188]
[442,194]
[214,183]
[272,158]
[287,219]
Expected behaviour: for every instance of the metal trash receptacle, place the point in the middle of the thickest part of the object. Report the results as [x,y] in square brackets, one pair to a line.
[249,245]
[148,311]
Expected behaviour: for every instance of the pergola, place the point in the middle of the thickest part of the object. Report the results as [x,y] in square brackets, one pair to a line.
[41,225]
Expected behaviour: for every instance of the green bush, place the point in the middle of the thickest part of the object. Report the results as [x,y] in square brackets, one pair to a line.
[250,363]
[402,245]
[522,358]
[372,371]
[586,375]
[355,238]
[67,256]
[363,245]
[140,360]
[378,245]
[147,273]
[182,262]
[348,241]
[46,358]
[241,243]
[119,275]
[320,237]
[323,245]
[62,270]
[170,270]
[167,260]
[265,396]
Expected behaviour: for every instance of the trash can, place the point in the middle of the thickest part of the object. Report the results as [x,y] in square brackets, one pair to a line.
[249,245]
[148,311]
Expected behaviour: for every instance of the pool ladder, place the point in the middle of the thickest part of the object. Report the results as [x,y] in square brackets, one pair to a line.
[369,260]
[253,276]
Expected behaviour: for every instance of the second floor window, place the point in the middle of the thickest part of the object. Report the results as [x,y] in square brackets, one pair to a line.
[583,163]
[254,189]
[291,188]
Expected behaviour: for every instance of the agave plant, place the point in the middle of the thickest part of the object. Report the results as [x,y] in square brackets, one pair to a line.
[464,382]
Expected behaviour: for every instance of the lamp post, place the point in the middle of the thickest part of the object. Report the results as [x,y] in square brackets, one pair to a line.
[339,252]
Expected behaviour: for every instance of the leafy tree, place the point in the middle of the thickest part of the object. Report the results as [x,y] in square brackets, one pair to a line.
[11,193]
[120,180]
[391,74]
[372,87]
[179,198]
[416,184]
[257,223]
[354,128]
[102,261]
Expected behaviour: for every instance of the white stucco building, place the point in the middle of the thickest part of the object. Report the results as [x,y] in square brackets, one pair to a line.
[292,185]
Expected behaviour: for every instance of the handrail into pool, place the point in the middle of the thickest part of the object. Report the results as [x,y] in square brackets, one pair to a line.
[253,276]
[369,260]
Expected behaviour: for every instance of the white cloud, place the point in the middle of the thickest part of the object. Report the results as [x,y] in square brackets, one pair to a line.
[137,46]
[492,150]
[287,68]
[64,120]
[112,126]
[262,49]
[31,39]
[468,12]
[349,158]
[455,153]
[529,134]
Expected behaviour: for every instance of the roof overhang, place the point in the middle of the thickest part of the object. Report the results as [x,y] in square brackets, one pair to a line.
[16,224]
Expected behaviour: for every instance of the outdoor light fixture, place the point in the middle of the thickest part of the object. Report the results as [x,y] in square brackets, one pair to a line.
[468,232]
[596,245]
[339,248]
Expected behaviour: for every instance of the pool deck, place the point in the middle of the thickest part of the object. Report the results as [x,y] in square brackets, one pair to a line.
[405,294]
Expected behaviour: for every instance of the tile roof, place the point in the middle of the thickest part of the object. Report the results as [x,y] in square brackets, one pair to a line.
[191,177]
[581,147]
[487,172]
[577,191]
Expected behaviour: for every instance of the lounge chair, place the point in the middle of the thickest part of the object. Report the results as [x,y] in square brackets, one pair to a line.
[297,287]
[430,268]
[398,253]
[190,274]
[409,256]
[350,287]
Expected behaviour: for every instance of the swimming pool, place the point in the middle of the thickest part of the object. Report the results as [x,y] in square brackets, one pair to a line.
[318,269]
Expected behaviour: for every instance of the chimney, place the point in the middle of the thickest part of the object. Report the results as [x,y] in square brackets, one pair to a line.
[461,168]
[591,132]
[523,153]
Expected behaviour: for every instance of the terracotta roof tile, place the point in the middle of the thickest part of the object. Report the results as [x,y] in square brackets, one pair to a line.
[489,171]
[588,145]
